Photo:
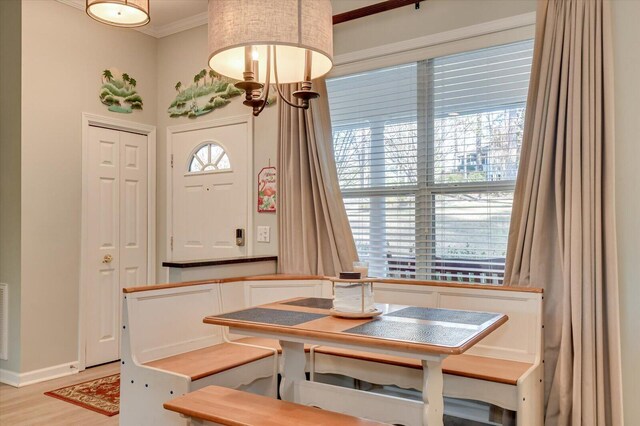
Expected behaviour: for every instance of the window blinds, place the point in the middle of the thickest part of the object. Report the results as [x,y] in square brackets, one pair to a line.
[427,154]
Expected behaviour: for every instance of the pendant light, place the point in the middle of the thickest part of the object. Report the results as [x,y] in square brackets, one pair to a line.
[271,41]
[120,13]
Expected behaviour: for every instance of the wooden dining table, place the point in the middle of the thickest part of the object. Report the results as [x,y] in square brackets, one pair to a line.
[427,334]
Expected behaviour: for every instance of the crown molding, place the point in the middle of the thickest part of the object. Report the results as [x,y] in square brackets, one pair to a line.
[182,25]
[77,4]
[154,30]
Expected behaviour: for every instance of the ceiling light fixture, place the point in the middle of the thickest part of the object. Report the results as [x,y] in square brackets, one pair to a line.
[119,13]
[271,41]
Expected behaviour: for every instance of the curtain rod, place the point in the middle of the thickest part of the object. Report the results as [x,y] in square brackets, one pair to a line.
[373,9]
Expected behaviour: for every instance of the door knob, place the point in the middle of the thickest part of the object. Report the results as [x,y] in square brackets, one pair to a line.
[107,258]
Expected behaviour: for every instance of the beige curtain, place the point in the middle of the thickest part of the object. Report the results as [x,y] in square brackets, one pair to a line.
[562,234]
[313,229]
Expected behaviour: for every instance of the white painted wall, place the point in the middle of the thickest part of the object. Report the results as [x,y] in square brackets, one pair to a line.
[180,56]
[63,55]
[405,23]
[626,39]
[10,51]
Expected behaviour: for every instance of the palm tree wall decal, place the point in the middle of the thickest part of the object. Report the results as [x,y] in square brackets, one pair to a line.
[107,75]
[120,94]
[125,78]
[194,99]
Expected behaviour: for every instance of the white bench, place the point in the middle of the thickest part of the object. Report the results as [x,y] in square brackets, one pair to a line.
[167,351]
[505,369]
[214,405]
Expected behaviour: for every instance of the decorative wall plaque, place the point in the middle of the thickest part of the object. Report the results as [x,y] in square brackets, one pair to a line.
[119,93]
[208,91]
[267,190]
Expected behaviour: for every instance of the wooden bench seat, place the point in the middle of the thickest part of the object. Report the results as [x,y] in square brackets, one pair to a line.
[471,366]
[218,358]
[211,360]
[236,408]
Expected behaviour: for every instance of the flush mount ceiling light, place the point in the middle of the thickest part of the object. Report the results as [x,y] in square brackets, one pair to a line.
[119,13]
[271,41]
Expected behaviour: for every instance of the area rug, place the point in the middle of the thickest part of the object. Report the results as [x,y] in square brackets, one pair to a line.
[100,395]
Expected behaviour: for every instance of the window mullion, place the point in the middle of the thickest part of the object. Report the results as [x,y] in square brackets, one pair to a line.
[377,213]
[473,187]
[424,205]
[371,192]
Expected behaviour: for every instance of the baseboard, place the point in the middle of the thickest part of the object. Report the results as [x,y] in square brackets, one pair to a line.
[10,378]
[36,376]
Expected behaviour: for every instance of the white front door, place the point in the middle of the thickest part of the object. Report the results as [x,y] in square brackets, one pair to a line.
[117,234]
[210,191]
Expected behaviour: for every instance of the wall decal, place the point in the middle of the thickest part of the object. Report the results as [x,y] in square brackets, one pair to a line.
[267,190]
[208,91]
[119,94]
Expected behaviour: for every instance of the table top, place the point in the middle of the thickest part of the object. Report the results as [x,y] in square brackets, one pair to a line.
[403,328]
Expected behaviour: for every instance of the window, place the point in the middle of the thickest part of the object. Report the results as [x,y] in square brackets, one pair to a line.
[427,155]
[209,157]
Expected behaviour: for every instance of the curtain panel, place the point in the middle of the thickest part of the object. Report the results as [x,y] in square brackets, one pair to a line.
[313,228]
[562,235]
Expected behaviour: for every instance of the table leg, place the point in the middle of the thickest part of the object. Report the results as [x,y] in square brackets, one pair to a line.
[432,385]
[293,368]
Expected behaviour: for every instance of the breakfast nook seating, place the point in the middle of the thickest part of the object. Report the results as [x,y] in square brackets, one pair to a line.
[229,407]
[169,352]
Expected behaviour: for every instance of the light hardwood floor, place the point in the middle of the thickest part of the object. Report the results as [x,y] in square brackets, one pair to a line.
[29,406]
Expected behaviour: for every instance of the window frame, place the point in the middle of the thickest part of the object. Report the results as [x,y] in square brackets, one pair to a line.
[426,189]
[194,155]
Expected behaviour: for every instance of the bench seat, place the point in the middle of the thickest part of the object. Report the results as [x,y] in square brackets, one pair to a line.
[218,358]
[471,366]
[211,360]
[236,408]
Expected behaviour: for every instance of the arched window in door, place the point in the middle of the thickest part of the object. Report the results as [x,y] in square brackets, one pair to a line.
[209,157]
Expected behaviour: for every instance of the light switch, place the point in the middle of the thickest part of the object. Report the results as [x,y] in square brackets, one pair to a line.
[264,234]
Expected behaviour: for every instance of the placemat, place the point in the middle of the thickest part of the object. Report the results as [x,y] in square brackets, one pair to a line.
[272,316]
[313,302]
[444,315]
[420,333]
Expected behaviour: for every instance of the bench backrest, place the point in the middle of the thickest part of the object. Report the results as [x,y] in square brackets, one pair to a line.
[519,339]
[244,294]
[166,319]
[166,322]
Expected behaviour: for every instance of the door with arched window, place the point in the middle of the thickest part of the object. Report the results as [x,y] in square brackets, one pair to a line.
[210,191]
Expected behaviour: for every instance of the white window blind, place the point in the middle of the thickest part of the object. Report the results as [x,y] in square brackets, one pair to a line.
[427,155]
